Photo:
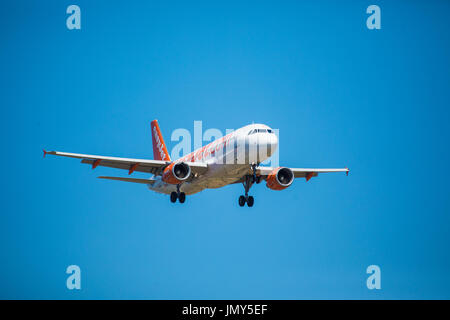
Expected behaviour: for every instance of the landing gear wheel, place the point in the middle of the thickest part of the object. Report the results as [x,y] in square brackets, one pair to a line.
[250,201]
[182,197]
[242,201]
[173,197]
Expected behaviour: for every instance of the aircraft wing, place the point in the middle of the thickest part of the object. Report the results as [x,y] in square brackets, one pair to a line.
[307,173]
[141,165]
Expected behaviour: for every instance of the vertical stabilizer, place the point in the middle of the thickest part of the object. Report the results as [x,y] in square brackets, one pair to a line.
[159,147]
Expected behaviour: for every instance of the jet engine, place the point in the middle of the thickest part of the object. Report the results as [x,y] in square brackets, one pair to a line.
[176,173]
[280,178]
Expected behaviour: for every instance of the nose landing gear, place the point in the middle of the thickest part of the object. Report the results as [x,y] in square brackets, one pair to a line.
[181,196]
[254,172]
[246,198]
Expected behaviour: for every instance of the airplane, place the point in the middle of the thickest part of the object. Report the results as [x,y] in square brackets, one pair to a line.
[234,158]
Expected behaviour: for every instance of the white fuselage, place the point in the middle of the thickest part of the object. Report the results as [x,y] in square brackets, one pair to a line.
[239,149]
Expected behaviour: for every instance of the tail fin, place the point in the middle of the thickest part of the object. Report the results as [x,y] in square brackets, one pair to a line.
[159,147]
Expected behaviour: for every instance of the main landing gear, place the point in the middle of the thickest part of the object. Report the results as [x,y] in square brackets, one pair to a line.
[249,199]
[181,196]
[248,182]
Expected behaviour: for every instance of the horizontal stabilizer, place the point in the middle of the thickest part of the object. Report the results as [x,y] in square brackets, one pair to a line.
[144,181]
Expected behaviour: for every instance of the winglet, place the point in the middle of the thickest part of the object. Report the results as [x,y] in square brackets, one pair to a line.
[45,152]
[348,170]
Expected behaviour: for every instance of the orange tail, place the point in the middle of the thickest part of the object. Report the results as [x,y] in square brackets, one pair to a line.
[159,147]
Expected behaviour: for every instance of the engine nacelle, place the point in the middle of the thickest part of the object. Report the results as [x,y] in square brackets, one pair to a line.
[176,173]
[280,178]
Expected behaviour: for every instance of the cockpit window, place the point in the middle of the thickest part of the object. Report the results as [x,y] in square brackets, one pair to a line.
[260,131]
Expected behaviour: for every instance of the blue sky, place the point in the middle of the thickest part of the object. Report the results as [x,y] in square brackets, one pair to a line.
[340,94]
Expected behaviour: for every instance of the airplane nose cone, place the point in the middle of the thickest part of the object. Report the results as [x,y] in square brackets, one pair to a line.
[270,143]
[273,143]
